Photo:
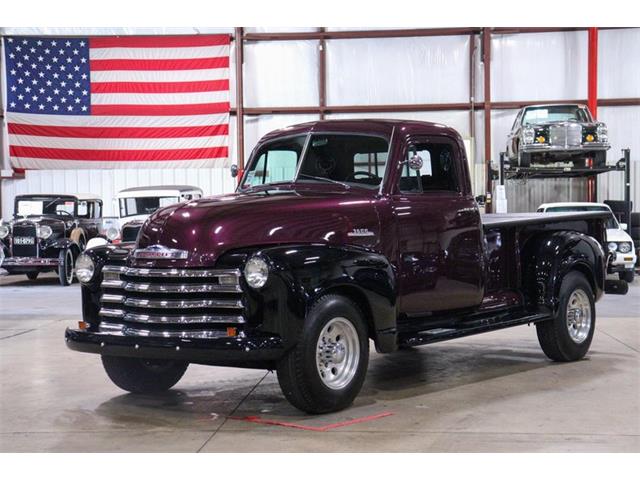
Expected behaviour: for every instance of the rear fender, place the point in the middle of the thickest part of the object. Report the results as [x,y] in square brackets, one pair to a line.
[548,257]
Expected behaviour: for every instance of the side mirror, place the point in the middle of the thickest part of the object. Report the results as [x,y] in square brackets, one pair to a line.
[415,162]
[234,170]
[623,226]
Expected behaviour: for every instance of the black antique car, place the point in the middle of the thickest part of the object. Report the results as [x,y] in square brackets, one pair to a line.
[47,233]
[562,133]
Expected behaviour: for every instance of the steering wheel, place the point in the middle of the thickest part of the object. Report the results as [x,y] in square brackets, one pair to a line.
[63,212]
[366,174]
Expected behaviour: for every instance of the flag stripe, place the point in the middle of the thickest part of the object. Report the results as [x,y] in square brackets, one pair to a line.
[161,110]
[117,155]
[119,120]
[159,42]
[118,132]
[159,99]
[157,53]
[179,64]
[45,163]
[185,143]
[160,87]
[160,76]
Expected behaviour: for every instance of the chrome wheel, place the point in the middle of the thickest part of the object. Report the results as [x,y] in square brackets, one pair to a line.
[338,353]
[579,316]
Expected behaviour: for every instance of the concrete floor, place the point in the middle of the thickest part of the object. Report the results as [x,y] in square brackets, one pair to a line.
[493,392]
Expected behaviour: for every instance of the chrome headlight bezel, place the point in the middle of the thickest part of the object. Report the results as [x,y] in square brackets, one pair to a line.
[4,231]
[602,132]
[256,271]
[112,233]
[612,247]
[44,231]
[85,268]
[528,135]
[624,247]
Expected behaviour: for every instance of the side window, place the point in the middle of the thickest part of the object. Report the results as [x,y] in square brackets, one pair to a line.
[97,209]
[83,209]
[274,166]
[437,172]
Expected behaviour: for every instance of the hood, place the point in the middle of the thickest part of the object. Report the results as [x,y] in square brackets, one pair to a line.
[617,235]
[208,227]
[56,223]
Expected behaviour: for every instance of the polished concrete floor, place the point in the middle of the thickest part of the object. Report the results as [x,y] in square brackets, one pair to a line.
[493,392]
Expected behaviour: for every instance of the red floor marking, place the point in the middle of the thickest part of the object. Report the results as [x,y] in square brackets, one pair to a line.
[324,428]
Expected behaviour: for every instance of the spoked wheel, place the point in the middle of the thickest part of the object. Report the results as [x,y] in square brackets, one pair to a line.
[567,337]
[65,267]
[326,369]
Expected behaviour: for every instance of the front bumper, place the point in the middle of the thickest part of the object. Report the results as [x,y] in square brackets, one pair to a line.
[573,149]
[622,262]
[256,350]
[28,264]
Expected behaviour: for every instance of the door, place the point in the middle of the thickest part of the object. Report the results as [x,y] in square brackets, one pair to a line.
[438,229]
[89,215]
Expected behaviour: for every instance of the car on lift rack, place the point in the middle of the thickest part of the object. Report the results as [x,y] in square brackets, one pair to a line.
[48,232]
[340,232]
[623,256]
[549,135]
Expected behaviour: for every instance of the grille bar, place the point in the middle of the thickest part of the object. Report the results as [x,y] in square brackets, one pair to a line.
[152,303]
[169,319]
[124,330]
[171,272]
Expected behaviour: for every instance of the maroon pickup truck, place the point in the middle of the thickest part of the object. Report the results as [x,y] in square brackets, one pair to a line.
[340,232]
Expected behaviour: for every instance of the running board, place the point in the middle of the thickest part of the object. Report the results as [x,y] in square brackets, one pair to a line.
[472,327]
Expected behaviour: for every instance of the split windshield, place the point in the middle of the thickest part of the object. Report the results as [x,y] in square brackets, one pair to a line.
[555,113]
[347,160]
[44,206]
[144,205]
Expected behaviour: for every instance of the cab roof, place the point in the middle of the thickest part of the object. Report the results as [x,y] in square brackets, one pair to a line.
[70,196]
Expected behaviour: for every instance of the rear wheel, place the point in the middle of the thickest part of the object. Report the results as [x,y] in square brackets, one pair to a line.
[32,275]
[139,375]
[325,371]
[65,267]
[567,337]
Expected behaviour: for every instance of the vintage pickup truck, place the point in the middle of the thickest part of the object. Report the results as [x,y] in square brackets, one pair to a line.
[340,232]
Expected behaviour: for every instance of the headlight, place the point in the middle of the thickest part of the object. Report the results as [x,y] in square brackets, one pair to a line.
[85,268]
[612,246]
[44,231]
[256,272]
[527,134]
[603,134]
[4,231]
[624,247]
[112,233]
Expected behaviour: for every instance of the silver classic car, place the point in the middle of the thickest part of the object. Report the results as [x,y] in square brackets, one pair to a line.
[562,133]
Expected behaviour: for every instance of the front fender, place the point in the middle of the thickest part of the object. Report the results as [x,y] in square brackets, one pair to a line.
[301,274]
[548,257]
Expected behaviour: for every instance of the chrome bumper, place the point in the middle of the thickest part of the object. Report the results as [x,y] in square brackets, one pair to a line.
[29,262]
[591,147]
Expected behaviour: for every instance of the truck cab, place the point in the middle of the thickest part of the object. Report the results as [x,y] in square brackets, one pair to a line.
[340,232]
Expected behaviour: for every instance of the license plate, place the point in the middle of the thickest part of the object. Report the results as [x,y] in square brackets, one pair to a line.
[24,240]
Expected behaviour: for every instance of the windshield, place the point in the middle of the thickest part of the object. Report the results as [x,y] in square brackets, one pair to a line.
[45,206]
[611,222]
[556,113]
[347,160]
[144,205]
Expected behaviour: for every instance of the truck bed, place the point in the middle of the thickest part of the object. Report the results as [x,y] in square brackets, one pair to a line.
[493,220]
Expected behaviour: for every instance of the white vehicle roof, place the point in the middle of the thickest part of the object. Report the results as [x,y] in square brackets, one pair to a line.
[574,204]
[158,191]
[78,196]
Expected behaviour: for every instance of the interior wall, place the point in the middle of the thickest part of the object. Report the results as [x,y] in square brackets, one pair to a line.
[540,66]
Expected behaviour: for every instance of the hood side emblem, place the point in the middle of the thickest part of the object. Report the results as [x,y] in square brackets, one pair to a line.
[160,252]
[360,232]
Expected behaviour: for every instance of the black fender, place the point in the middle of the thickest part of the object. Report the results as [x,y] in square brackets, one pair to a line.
[63,244]
[301,274]
[548,257]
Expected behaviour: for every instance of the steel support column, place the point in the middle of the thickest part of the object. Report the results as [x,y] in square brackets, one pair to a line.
[239,98]
[486,60]
[592,100]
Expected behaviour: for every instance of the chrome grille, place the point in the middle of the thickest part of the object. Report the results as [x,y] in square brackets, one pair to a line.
[168,301]
[24,231]
[565,135]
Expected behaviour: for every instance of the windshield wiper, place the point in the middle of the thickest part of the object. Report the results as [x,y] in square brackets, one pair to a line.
[324,179]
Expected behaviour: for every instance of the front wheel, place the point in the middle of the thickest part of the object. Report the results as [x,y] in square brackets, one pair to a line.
[568,335]
[325,371]
[139,375]
[65,267]
[626,276]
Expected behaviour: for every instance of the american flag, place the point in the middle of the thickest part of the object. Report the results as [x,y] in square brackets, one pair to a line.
[117,102]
